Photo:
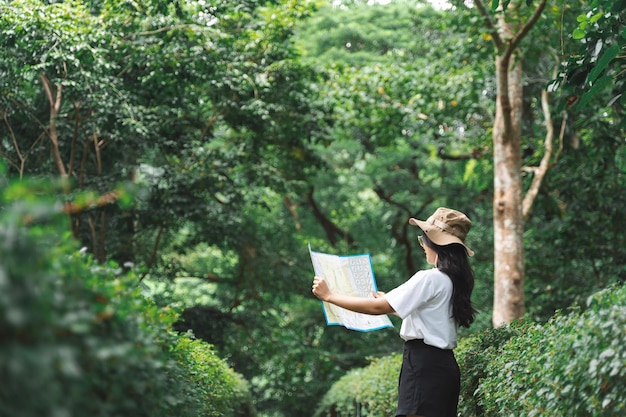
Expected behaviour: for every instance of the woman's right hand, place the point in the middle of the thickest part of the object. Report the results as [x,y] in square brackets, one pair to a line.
[320,288]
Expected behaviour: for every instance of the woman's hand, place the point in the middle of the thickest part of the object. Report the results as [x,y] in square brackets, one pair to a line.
[320,289]
[381,294]
[375,306]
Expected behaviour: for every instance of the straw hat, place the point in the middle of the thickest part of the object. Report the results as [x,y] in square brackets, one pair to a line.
[446,226]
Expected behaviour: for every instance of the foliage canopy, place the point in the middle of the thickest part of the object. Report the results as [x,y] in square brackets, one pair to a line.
[244,130]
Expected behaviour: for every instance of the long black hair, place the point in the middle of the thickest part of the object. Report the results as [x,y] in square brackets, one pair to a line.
[452,260]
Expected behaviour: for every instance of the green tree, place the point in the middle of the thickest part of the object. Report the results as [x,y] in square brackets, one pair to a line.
[598,64]
[79,337]
[191,100]
[405,139]
[356,35]
[517,178]
[203,107]
[241,152]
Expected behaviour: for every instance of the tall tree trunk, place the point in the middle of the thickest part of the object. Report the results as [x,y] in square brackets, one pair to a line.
[508,222]
[508,205]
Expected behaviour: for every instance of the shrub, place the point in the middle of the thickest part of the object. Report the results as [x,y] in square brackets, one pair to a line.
[473,355]
[573,365]
[369,391]
[78,338]
[215,387]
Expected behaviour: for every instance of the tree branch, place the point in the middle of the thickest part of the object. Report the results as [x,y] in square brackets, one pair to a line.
[83,163]
[541,170]
[103,200]
[293,210]
[401,233]
[333,232]
[513,44]
[97,147]
[210,122]
[77,122]
[379,190]
[22,159]
[504,59]
[55,105]
[497,40]
[92,229]
[475,154]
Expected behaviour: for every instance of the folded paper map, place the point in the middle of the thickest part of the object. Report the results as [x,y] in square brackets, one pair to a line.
[348,275]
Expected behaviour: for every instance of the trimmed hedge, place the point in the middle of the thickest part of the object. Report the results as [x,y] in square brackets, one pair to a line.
[574,365]
[79,339]
[214,387]
[368,391]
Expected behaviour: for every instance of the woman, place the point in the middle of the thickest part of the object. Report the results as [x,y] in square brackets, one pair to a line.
[433,303]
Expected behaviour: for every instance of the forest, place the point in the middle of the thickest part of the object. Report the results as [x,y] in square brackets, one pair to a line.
[164,165]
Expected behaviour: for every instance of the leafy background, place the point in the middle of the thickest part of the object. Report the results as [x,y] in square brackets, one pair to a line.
[201,145]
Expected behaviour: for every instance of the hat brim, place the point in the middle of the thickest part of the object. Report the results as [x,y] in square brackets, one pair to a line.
[438,236]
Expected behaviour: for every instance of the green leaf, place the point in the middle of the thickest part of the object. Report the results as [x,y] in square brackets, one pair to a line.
[578,34]
[494,5]
[597,86]
[595,17]
[604,60]
[470,170]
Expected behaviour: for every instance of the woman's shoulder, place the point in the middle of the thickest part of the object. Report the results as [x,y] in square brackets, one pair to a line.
[435,276]
[430,273]
[427,275]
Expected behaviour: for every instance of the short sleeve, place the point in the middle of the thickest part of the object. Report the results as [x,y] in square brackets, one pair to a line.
[414,294]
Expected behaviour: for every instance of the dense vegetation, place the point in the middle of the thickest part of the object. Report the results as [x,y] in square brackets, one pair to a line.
[199,145]
[79,339]
[571,365]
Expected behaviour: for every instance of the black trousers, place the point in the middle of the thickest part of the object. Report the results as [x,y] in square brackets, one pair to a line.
[429,382]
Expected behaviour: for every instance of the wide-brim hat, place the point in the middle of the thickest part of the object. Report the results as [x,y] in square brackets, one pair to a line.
[446,226]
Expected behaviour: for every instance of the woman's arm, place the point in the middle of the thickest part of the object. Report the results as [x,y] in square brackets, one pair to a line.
[374,306]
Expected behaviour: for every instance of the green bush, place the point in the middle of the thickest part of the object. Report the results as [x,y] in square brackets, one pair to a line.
[574,365]
[213,385]
[473,355]
[79,339]
[369,391]
[372,391]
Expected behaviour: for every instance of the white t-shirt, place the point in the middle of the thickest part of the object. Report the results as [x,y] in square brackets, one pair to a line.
[424,304]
